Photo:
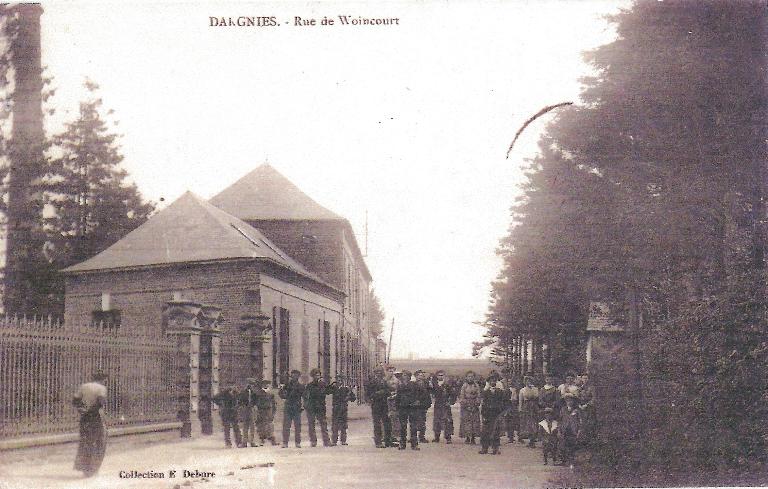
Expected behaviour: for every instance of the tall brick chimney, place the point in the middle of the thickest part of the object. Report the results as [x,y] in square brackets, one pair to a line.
[24,243]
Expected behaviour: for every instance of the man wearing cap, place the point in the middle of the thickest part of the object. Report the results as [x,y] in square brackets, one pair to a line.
[90,399]
[377,391]
[393,380]
[314,402]
[292,392]
[247,412]
[409,398]
[341,395]
[425,402]
[226,399]
[494,398]
[445,396]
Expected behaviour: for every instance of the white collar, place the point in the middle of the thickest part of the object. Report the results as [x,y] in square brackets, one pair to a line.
[543,424]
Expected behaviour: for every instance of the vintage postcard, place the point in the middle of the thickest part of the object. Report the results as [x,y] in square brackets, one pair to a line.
[407,244]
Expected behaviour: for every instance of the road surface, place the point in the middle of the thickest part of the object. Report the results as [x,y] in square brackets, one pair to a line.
[358,465]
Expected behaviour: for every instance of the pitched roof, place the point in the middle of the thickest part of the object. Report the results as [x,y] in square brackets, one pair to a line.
[266,194]
[189,230]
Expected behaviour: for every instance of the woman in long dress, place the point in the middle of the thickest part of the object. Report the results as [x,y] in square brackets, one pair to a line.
[89,400]
[529,411]
[469,401]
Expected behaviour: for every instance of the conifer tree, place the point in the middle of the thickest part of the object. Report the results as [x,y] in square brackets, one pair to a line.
[92,205]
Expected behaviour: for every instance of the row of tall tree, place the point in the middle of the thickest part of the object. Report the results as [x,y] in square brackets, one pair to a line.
[66,196]
[652,191]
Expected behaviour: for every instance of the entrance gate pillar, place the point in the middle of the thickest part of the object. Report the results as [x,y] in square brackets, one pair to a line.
[255,328]
[210,346]
[181,320]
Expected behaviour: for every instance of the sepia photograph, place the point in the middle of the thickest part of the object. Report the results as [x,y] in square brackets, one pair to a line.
[400,243]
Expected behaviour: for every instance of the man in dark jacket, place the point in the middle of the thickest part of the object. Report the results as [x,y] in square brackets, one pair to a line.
[445,395]
[292,392]
[425,402]
[247,412]
[377,391]
[410,398]
[314,402]
[341,395]
[227,402]
[494,399]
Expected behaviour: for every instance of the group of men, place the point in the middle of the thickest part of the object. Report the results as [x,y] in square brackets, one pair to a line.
[399,405]
[311,398]
[251,408]
[254,409]
[556,415]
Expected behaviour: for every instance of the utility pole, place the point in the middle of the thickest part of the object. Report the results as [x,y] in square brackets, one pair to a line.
[389,346]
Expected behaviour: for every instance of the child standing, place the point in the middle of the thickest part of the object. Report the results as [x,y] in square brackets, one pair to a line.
[570,422]
[548,434]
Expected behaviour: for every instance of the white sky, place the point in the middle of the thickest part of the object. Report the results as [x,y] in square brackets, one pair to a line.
[411,122]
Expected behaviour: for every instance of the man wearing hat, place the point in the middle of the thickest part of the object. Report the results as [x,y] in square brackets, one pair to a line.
[227,399]
[341,395]
[442,417]
[377,390]
[409,399]
[247,411]
[425,402]
[494,398]
[393,381]
[292,392]
[314,402]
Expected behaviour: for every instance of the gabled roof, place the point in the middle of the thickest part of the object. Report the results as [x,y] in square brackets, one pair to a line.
[187,231]
[266,194]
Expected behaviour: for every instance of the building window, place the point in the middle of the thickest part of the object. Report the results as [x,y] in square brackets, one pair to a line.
[106,319]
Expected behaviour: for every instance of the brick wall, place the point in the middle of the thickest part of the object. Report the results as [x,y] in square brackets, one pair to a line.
[236,287]
[321,254]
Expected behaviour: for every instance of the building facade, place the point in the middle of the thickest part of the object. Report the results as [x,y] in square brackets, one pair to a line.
[321,241]
[259,248]
[192,251]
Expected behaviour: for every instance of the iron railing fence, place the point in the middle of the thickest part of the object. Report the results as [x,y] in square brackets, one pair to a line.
[43,361]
